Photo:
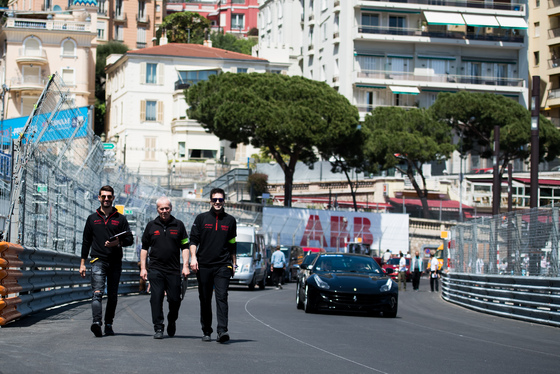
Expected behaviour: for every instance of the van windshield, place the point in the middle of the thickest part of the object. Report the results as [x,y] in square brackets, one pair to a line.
[244,249]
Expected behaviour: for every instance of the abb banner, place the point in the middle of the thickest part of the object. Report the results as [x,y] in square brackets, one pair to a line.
[332,230]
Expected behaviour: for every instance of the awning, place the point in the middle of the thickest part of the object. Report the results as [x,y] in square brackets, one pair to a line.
[213,14]
[440,18]
[480,21]
[404,90]
[512,22]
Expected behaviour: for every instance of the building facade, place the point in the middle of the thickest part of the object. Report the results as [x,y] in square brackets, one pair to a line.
[544,54]
[38,44]
[236,17]
[147,116]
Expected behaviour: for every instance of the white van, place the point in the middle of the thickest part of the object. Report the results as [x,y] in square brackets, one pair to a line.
[251,259]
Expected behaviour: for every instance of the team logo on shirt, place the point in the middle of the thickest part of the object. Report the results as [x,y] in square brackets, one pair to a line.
[208,225]
[174,232]
[156,232]
[114,222]
[224,227]
[98,222]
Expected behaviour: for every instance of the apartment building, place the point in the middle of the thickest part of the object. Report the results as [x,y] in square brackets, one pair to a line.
[544,54]
[236,17]
[37,44]
[133,23]
[394,53]
[147,116]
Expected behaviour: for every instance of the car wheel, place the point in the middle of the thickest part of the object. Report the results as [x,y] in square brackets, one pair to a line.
[299,302]
[392,313]
[307,305]
[252,284]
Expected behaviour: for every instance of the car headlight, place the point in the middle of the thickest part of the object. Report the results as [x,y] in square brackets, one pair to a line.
[321,283]
[387,286]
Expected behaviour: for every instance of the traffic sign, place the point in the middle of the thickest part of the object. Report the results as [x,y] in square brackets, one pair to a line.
[128,211]
[41,188]
[108,145]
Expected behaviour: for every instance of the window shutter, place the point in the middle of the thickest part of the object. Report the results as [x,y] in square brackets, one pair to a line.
[142,73]
[160,111]
[160,74]
[143,110]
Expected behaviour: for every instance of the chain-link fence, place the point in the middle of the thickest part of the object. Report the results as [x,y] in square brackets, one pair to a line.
[58,170]
[516,243]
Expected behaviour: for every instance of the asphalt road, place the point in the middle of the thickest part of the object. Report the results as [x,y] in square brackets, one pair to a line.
[269,335]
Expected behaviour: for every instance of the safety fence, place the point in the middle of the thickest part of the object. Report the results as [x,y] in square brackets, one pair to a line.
[532,299]
[32,280]
[520,243]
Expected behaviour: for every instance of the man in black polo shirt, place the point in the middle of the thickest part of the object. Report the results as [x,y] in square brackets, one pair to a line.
[213,258]
[167,238]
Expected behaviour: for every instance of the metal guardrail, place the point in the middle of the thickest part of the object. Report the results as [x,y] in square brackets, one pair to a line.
[32,280]
[532,299]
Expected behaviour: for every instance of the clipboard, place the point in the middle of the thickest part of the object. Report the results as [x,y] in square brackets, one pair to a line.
[116,236]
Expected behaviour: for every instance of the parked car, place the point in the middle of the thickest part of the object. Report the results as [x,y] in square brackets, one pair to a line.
[393,263]
[345,281]
[303,272]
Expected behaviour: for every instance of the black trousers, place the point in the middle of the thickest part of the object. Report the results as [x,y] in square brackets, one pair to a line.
[212,279]
[416,279]
[434,282]
[277,274]
[160,283]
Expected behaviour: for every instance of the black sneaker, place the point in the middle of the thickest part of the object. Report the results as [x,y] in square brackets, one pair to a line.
[158,334]
[222,337]
[171,329]
[96,329]
[109,329]
[206,338]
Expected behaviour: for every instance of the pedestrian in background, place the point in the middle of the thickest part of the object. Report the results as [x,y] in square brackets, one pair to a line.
[105,233]
[417,267]
[213,257]
[401,278]
[386,256]
[277,266]
[434,273]
[166,239]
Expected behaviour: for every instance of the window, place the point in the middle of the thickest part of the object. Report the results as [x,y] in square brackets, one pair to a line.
[101,30]
[151,111]
[141,10]
[238,1]
[538,3]
[141,37]
[193,77]
[182,150]
[150,148]
[32,47]
[242,70]
[369,21]
[118,9]
[119,33]
[537,29]
[280,10]
[324,30]
[397,24]
[203,153]
[323,73]
[68,77]
[69,48]
[102,7]
[238,21]
[31,74]
[537,58]
[151,73]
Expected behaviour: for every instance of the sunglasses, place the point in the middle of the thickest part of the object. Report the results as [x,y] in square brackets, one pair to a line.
[217,200]
[106,197]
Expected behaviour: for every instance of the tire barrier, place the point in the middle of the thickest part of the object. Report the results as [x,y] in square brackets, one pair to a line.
[32,280]
[532,299]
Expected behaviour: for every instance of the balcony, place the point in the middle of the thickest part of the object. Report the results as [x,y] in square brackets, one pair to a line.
[28,83]
[119,16]
[183,85]
[554,66]
[499,35]
[553,7]
[140,45]
[553,97]
[475,4]
[553,36]
[443,78]
[142,18]
[26,56]
[47,24]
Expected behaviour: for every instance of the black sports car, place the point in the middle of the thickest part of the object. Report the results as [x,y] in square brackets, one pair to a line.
[344,281]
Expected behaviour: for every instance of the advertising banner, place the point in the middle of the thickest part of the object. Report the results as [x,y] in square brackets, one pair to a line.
[333,230]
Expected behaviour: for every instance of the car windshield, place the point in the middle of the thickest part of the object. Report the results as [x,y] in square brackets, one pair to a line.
[244,249]
[345,264]
[393,261]
[309,258]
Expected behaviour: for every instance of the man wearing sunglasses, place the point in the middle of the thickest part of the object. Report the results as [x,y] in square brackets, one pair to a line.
[213,257]
[106,232]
